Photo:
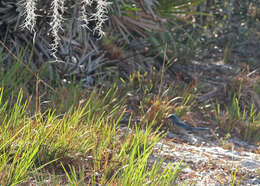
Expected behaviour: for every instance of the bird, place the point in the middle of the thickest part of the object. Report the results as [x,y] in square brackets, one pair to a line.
[181,125]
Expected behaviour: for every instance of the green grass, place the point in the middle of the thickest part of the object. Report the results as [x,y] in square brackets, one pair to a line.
[84,145]
[235,118]
[70,135]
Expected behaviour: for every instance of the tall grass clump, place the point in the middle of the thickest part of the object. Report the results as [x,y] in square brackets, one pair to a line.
[85,145]
[237,119]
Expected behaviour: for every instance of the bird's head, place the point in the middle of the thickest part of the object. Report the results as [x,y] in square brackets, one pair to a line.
[173,117]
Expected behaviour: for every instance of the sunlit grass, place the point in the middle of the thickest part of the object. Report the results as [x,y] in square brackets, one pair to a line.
[73,135]
[84,144]
[239,120]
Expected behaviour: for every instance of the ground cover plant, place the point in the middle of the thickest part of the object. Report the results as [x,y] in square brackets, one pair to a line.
[82,142]
[76,138]
[82,146]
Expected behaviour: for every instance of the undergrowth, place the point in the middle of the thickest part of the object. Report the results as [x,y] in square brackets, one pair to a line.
[85,144]
[74,135]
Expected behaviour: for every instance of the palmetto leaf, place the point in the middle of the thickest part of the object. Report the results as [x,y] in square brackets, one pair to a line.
[10,13]
[135,19]
[150,4]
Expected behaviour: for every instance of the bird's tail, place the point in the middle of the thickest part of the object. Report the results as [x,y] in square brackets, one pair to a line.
[199,128]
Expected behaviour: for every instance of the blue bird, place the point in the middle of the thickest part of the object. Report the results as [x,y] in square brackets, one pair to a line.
[176,121]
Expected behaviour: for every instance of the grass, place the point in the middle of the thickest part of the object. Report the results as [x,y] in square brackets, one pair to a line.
[72,135]
[84,144]
[75,138]
[239,120]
